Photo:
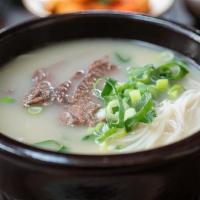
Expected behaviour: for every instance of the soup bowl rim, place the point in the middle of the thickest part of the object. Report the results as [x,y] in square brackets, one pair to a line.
[29,155]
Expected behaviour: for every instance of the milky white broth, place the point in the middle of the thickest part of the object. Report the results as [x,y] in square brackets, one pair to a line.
[68,57]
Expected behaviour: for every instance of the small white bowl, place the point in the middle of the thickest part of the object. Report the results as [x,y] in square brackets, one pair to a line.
[157,7]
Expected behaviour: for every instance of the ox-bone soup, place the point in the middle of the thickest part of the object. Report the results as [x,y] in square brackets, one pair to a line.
[99,96]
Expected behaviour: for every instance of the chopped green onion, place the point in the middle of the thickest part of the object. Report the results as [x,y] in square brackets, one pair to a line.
[166,56]
[63,149]
[175,91]
[35,110]
[90,137]
[7,100]
[145,112]
[130,112]
[142,74]
[142,87]
[174,70]
[154,92]
[118,135]
[109,87]
[105,135]
[97,92]
[94,132]
[110,114]
[115,109]
[51,145]
[149,116]
[125,103]
[98,127]
[130,103]
[121,87]
[135,96]
[122,58]
[120,147]
[162,85]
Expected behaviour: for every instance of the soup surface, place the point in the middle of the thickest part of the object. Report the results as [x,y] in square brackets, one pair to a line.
[175,120]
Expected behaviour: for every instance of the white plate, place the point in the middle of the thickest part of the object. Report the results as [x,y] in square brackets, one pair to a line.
[36,7]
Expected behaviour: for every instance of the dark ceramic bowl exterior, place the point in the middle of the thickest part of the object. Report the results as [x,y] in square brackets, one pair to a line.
[194,7]
[167,173]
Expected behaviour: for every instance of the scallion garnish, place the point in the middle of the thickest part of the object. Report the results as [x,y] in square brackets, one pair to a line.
[122,58]
[110,89]
[135,96]
[90,137]
[174,70]
[35,110]
[106,135]
[7,100]
[162,85]
[166,56]
[175,91]
[142,74]
[119,147]
[63,149]
[51,145]
[131,103]
[143,112]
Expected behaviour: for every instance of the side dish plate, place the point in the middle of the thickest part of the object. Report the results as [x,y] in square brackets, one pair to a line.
[37,7]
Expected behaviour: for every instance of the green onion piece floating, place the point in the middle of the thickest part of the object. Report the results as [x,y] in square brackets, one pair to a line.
[120,147]
[166,57]
[122,58]
[121,87]
[7,100]
[94,132]
[97,92]
[121,133]
[35,110]
[175,91]
[51,145]
[145,112]
[90,137]
[142,74]
[174,70]
[105,135]
[162,85]
[112,110]
[135,96]
[63,149]
[154,92]
[130,112]
[110,88]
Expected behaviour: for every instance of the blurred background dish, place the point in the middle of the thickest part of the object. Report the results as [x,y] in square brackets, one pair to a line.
[44,8]
[14,12]
[36,7]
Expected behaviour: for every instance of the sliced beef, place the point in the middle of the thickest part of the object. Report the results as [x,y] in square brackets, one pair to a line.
[42,90]
[40,94]
[81,106]
[79,74]
[59,94]
[80,113]
[40,75]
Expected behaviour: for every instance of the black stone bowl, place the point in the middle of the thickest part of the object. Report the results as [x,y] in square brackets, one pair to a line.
[168,173]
